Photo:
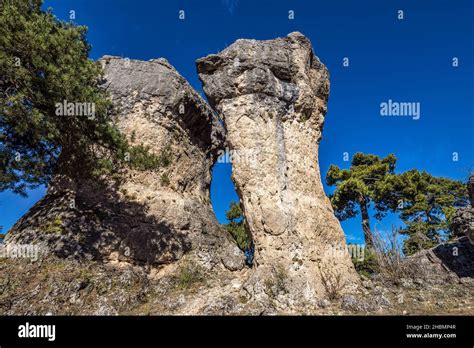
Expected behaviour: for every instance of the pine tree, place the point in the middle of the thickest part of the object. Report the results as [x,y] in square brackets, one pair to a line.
[43,63]
[356,188]
[236,226]
[426,204]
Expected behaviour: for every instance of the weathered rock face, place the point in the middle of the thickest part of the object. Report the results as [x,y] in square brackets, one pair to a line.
[272,96]
[463,219]
[463,223]
[153,216]
[446,262]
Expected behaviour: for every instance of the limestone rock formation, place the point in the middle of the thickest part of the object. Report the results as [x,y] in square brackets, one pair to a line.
[272,96]
[153,216]
[446,262]
[463,223]
[463,220]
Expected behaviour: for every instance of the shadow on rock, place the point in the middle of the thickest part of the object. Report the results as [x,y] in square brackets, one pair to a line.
[94,221]
[457,256]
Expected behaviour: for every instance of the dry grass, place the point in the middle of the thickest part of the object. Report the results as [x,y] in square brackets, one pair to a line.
[389,255]
[332,282]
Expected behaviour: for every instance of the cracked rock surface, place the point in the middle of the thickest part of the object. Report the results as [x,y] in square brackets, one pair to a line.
[153,216]
[272,96]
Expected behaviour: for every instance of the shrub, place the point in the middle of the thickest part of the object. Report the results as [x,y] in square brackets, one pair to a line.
[54,226]
[276,284]
[332,283]
[164,180]
[237,231]
[389,256]
[367,265]
[188,274]
[166,156]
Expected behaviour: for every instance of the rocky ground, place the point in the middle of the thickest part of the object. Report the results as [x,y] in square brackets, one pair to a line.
[71,287]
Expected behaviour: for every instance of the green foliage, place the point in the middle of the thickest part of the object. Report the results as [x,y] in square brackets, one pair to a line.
[164,180]
[166,156]
[426,204]
[239,234]
[234,214]
[142,159]
[236,226]
[54,226]
[189,274]
[359,182]
[44,62]
[366,266]
[357,188]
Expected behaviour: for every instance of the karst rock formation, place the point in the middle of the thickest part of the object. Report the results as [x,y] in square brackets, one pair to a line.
[463,219]
[272,97]
[154,216]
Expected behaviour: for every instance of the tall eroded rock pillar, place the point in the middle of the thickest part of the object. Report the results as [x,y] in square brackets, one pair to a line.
[154,216]
[272,96]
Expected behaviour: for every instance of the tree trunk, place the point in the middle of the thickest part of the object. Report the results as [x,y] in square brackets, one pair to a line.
[365,224]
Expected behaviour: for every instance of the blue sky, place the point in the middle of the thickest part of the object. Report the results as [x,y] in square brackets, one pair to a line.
[407,60]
